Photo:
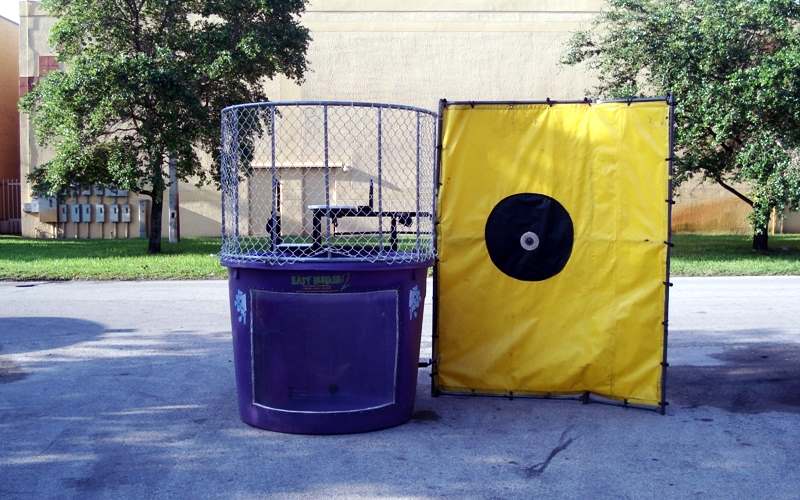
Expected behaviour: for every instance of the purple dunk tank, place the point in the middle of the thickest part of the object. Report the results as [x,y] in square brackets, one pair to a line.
[327,298]
[326,351]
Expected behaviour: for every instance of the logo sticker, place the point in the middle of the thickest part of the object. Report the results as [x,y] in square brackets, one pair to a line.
[240,304]
[414,299]
[322,282]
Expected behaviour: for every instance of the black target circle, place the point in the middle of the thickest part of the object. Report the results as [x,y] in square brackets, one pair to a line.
[529,236]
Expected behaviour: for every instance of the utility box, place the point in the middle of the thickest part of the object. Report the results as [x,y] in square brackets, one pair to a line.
[74,212]
[113,214]
[48,209]
[45,207]
[126,213]
[63,213]
[86,212]
[99,213]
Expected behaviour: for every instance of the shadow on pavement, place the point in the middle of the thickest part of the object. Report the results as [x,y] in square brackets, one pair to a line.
[41,333]
[755,377]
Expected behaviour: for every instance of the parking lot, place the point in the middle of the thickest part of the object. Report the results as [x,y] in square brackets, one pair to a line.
[125,389]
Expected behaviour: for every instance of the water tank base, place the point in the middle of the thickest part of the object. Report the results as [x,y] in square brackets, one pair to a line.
[330,350]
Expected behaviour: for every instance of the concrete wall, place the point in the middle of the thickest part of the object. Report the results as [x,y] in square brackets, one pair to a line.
[9,92]
[416,52]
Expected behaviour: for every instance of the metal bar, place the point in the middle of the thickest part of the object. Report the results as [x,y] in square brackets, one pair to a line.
[380,181]
[417,215]
[273,229]
[327,171]
[235,173]
[223,173]
[355,104]
[581,397]
[670,187]
[314,262]
[173,200]
[346,233]
[566,101]
[437,167]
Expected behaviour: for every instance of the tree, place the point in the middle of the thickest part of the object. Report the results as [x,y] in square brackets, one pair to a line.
[734,68]
[145,80]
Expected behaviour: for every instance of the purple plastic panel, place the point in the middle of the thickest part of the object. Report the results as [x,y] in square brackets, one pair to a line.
[321,352]
[369,356]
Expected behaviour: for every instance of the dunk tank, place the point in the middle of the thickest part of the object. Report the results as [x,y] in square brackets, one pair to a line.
[327,215]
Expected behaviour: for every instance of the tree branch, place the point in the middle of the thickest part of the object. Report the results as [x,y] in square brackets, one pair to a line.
[733,190]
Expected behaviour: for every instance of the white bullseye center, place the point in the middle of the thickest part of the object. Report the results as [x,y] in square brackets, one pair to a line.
[529,241]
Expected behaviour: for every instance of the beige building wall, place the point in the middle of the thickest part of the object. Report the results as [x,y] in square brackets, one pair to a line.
[705,207]
[36,59]
[9,91]
[412,52]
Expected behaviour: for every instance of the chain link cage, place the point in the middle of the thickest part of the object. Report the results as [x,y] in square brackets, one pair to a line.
[327,181]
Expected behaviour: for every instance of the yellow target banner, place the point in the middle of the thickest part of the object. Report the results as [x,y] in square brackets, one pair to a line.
[553,249]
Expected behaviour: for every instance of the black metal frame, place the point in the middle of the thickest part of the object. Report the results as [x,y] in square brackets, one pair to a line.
[437,183]
[585,396]
[667,283]
[553,102]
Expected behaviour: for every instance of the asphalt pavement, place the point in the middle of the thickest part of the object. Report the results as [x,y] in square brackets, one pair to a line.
[126,390]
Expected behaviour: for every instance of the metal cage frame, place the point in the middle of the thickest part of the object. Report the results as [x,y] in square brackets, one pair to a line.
[403,139]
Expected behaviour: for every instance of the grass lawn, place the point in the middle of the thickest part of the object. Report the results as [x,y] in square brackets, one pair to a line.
[731,255]
[25,259]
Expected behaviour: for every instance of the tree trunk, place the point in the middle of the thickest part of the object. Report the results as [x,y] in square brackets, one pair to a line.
[761,239]
[156,210]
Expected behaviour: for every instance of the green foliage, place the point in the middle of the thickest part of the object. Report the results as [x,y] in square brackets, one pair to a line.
[145,79]
[734,67]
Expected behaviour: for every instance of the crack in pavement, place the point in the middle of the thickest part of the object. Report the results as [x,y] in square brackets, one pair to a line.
[563,443]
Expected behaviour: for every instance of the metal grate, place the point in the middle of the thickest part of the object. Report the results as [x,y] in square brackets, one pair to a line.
[331,181]
[10,206]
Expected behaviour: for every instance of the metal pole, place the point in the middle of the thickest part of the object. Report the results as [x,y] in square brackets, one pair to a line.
[667,284]
[223,172]
[418,139]
[327,181]
[174,216]
[142,216]
[435,391]
[273,237]
[380,182]
[235,173]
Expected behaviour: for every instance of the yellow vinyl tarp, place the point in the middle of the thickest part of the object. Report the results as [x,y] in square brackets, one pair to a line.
[597,325]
